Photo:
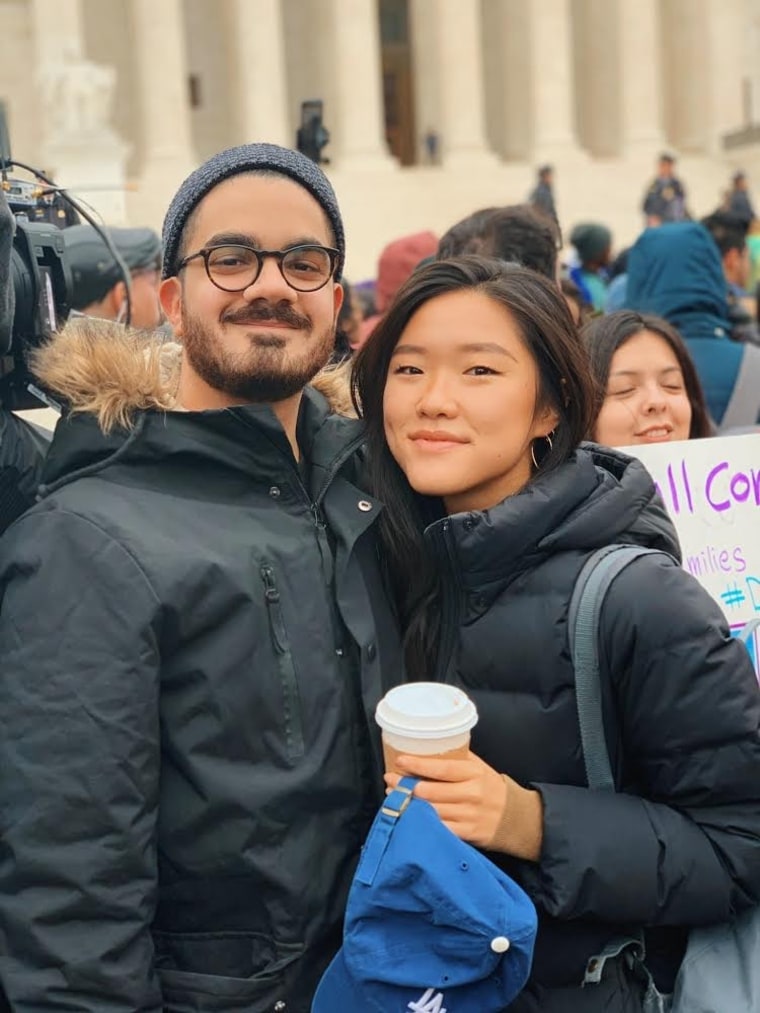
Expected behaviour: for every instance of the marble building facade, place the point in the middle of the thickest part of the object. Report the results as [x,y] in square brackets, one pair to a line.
[434,107]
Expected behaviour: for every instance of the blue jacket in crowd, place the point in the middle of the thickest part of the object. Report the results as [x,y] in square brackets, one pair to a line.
[675,271]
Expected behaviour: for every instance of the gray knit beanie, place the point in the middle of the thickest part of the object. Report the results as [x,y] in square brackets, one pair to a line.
[248,158]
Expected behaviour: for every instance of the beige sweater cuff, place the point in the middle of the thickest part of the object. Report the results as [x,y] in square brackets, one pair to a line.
[521,828]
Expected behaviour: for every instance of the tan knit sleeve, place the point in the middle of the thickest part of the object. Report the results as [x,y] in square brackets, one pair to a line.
[521,829]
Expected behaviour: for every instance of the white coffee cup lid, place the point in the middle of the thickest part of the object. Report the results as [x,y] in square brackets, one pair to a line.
[426,710]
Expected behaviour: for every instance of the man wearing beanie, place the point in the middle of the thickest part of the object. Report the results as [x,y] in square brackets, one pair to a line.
[193,631]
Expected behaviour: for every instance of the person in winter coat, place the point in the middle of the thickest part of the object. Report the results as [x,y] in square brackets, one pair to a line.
[23,445]
[194,633]
[593,244]
[477,394]
[647,387]
[542,195]
[396,263]
[676,273]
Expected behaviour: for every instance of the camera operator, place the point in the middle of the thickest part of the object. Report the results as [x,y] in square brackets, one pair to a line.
[98,287]
[22,445]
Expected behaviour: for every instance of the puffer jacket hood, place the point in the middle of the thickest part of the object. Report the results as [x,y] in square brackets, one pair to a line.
[599,497]
[675,272]
[110,377]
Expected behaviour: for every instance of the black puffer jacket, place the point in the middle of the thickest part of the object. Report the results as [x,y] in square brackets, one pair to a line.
[22,455]
[193,639]
[680,844]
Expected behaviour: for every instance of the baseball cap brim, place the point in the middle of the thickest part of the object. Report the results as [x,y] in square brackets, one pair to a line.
[338,991]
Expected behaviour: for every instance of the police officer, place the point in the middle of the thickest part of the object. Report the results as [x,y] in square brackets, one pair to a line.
[99,289]
[542,195]
[739,201]
[665,200]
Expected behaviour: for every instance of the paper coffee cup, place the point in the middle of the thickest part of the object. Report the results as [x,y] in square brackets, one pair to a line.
[425,719]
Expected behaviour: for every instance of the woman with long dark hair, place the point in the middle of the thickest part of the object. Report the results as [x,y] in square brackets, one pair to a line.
[477,394]
[648,390]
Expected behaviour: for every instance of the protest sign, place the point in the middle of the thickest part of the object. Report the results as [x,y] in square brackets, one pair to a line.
[712,491]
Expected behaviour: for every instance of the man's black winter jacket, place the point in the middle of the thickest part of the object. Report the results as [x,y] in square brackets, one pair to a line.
[193,637]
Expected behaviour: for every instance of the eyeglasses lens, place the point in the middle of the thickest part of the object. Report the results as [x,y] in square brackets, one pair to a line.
[305,268]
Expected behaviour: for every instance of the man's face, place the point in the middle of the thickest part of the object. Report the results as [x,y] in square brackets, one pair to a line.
[146,309]
[737,266]
[665,168]
[265,343]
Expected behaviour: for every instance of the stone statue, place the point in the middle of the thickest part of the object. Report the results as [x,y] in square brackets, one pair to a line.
[76,98]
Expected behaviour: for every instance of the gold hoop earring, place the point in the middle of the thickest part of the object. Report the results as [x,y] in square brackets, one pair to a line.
[548,439]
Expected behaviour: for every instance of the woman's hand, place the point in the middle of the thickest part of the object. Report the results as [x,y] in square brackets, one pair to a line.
[468,795]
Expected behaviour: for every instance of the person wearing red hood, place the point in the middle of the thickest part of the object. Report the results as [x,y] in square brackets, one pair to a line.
[397,262]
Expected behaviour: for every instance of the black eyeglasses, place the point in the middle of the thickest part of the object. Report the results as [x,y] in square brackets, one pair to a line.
[235,268]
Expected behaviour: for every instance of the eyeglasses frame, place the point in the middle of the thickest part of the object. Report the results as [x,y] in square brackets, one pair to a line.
[261,256]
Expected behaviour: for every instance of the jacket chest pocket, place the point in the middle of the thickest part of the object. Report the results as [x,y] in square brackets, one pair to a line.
[224,972]
[286,670]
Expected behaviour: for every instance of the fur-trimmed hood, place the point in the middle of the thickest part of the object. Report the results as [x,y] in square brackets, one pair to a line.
[101,368]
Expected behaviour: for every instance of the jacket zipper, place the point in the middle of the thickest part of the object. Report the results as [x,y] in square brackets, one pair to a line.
[451,594]
[287,671]
[348,451]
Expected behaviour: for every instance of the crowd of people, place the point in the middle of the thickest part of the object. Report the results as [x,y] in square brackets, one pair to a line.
[273,497]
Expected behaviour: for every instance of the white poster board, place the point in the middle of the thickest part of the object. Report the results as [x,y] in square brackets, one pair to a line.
[712,491]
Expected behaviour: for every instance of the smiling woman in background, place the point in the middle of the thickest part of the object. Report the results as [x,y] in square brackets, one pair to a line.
[649,391]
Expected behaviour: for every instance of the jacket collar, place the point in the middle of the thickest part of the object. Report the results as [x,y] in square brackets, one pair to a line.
[246,438]
[598,497]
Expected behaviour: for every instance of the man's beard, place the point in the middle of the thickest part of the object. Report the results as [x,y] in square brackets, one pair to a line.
[268,371]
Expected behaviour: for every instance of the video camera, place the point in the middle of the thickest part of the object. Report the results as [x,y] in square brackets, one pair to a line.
[312,136]
[39,273]
[40,279]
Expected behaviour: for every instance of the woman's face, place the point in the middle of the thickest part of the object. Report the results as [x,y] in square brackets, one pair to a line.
[646,399]
[460,402]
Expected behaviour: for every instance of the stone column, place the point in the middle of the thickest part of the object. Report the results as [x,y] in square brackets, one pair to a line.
[751,64]
[426,76]
[79,145]
[596,73]
[551,80]
[258,48]
[461,78]
[359,117]
[639,82]
[58,30]
[687,88]
[162,78]
[507,54]
[727,24]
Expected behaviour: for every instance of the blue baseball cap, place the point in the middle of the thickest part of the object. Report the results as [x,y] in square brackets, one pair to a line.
[431,924]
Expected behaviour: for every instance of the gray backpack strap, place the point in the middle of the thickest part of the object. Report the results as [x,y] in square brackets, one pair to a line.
[747,630]
[743,408]
[721,969]
[591,587]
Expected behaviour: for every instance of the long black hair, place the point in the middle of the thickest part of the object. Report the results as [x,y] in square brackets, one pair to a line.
[603,336]
[547,329]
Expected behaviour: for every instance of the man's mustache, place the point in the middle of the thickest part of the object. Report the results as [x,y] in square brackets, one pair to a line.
[267,314]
